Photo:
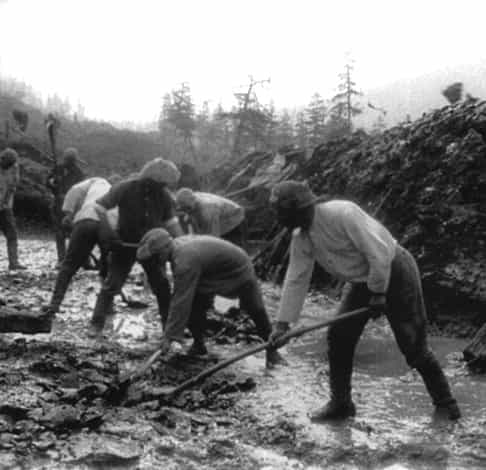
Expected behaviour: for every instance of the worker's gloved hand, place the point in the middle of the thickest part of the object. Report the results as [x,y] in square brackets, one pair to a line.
[279,329]
[377,305]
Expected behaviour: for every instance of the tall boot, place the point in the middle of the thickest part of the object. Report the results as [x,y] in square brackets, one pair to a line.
[438,387]
[103,308]
[340,404]
[12,251]
[62,284]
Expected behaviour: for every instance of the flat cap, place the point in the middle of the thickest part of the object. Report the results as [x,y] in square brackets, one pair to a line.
[154,242]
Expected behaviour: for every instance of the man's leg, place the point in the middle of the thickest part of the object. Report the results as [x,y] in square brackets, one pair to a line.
[159,284]
[121,262]
[83,239]
[407,317]
[251,301]
[59,234]
[197,323]
[10,231]
[342,339]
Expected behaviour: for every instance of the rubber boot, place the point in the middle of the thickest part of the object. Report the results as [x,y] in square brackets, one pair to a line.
[62,284]
[340,405]
[198,348]
[12,251]
[438,387]
[103,308]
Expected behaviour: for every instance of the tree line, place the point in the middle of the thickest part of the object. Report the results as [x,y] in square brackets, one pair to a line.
[204,137]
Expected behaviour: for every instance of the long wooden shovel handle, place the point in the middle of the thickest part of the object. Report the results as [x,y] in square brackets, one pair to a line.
[133,376]
[291,334]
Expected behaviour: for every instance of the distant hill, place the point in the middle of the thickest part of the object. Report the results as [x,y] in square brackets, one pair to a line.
[105,149]
[421,94]
[102,146]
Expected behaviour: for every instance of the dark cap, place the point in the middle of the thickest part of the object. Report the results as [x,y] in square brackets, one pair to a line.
[292,195]
[7,158]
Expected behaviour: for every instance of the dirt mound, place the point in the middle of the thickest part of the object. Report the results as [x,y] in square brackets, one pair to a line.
[429,177]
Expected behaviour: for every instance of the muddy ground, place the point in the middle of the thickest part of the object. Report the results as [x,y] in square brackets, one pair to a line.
[54,412]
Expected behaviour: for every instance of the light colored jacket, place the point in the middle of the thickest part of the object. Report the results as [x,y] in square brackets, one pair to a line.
[347,242]
[8,185]
[217,215]
[81,198]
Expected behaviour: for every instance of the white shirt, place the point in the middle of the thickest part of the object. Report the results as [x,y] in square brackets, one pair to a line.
[81,199]
[347,242]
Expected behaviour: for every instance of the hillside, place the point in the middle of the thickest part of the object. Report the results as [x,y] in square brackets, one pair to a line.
[105,149]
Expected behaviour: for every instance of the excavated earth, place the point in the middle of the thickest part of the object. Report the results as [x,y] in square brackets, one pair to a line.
[426,180]
[54,413]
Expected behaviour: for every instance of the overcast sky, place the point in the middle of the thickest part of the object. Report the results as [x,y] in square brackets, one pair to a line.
[119,57]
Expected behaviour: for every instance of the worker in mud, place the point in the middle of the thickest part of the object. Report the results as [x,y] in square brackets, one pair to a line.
[354,247]
[61,180]
[9,178]
[215,215]
[144,203]
[81,220]
[204,266]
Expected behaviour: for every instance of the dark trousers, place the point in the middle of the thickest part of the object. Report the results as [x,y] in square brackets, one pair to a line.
[9,229]
[84,237]
[119,267]
[407,317]
[239,235]
[251,302]
[60,235]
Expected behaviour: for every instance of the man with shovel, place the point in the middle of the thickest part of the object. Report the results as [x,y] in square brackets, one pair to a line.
[215,215]
[9,179]
[204,266]
[144,203]
[356,248]
[60,181]
[82,221]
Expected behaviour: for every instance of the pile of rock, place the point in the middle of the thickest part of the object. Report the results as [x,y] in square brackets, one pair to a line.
[429,177]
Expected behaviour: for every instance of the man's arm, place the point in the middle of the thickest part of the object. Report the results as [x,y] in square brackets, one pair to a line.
[186,279]
[297,280]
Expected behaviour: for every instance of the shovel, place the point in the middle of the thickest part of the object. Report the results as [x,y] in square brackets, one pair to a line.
[170,392]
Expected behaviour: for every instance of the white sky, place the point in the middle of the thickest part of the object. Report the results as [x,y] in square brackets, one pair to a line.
[118,57]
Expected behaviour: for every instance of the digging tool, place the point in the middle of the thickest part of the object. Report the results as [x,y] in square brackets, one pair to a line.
[117,391]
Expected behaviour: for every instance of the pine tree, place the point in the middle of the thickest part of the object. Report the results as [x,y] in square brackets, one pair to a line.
[344,107]
[316,114]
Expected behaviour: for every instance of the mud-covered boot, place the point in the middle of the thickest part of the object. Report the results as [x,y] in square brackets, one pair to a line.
[438,387]
[197,349]
[103,307]
[13,261]
[274,358]
[340,405]
[62,283]
[334,409]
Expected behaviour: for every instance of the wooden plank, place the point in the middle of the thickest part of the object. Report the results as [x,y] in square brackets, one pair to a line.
[13,320]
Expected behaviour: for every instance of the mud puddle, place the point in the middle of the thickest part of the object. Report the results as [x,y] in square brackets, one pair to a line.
[53,412]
